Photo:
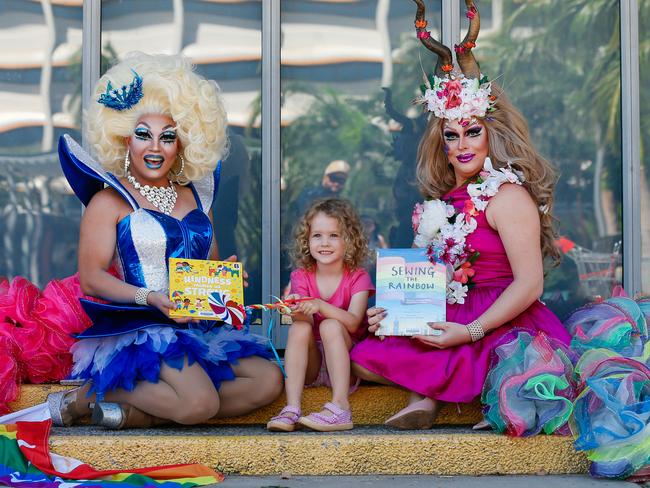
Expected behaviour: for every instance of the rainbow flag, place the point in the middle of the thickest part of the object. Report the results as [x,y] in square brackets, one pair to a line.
[26,460]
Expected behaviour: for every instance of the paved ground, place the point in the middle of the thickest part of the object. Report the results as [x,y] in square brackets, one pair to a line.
[421,482]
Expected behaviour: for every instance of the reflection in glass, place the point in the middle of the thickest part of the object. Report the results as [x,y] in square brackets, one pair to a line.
[559,62]
[40,87]
[342,134]
[644,73]
[224,40]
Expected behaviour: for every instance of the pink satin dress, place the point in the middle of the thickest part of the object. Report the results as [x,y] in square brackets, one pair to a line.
[457,374]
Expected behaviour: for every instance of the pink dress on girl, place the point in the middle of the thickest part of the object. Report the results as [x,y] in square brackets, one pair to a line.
[457,374]
[303,283]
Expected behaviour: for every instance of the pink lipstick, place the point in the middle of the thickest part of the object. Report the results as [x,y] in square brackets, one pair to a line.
[465,158]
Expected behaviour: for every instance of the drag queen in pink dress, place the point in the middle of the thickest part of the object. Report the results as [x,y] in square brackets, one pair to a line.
[488,218]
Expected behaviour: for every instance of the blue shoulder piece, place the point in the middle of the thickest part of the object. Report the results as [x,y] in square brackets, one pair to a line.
[85,175]
[206,188]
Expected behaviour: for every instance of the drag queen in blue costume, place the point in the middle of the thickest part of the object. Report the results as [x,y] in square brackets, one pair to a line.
[158,131]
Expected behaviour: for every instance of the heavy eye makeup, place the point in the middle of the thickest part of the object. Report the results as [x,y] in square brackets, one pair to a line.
[451,135]
[142,133]
[168,136]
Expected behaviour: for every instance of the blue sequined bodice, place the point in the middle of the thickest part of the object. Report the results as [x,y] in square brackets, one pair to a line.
[146,239]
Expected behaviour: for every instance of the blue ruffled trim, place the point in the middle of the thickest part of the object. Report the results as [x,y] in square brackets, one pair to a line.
[214,350]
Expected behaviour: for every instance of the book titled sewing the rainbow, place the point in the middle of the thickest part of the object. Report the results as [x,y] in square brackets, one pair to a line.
[412,290]
[207,290]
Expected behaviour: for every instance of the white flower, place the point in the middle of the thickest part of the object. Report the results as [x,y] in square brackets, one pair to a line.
[474,190]
[480,205]
[511,177]
[456,292]
[451,211]
[421,241]
[487,165]
[433,217]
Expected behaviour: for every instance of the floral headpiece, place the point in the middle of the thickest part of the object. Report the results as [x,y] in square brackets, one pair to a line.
[122,98]
[455,94]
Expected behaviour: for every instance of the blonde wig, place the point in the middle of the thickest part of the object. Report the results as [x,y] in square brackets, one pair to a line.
[172,88]
[356,243]
[509,140]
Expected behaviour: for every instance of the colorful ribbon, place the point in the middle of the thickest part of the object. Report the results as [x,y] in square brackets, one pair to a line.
[281,306]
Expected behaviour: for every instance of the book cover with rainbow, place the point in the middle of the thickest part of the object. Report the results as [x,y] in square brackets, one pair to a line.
[412,290]
[207,290]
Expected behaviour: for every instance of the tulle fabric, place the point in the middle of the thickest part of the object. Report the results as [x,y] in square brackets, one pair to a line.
[35,332]
[531,388]
[617,324]
[611,419]
[123,360]
[456,374]
[610,415]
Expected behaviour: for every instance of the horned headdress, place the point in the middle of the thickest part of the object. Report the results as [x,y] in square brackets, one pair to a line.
[455,93]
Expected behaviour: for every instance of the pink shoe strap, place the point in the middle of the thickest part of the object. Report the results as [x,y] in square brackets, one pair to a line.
[339,416]
[288,415]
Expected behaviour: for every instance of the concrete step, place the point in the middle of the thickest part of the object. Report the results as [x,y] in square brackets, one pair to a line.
[251,450]
[371,405]
[422,481]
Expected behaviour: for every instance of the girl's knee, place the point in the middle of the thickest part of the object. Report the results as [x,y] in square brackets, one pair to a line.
[197,407]
[331,328]
[301,331]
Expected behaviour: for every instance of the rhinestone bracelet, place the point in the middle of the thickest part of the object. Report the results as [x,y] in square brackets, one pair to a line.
[141,295]
[475,330]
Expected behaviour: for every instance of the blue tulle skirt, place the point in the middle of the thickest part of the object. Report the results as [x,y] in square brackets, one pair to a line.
[121,361]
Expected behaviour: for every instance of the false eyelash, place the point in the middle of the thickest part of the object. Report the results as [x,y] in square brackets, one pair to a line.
[142,134]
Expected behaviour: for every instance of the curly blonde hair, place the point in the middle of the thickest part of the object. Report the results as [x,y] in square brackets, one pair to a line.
[170,87]
[356,243]
[509,140]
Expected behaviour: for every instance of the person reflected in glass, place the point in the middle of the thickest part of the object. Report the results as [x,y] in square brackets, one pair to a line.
[488,217]
[157,138]
[371,230]
[333,183]
[375,241]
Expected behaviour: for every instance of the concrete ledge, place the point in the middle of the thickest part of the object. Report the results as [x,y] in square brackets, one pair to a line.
[369,450]
[370,405]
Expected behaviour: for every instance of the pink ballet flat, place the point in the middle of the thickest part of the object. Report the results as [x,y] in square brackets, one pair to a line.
[418,415]
[285,421]
[331,419]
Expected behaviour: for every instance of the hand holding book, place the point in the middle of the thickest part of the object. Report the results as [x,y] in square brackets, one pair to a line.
[449,334]
[375,316]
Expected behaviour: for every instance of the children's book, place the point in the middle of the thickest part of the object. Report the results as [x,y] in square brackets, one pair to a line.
[207,290]
[412,290]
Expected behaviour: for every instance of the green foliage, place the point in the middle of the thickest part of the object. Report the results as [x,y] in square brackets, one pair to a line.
[559,61]
[339,127]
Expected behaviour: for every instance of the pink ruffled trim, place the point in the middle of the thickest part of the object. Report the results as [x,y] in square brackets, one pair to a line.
[35,332]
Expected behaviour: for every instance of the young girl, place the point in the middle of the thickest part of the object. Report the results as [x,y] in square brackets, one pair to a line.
[328,319]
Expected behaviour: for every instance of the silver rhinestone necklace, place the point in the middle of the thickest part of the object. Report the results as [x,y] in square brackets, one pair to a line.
[163,197]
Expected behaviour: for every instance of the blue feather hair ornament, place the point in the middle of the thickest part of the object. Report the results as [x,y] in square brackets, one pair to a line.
[125,97]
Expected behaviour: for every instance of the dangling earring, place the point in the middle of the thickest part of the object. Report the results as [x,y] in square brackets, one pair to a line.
[176,176]
[127,162]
